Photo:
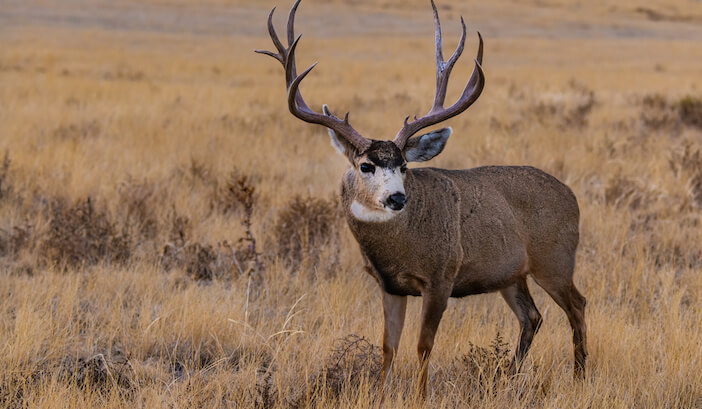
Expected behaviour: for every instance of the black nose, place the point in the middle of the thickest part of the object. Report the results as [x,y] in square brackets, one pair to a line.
[396,201]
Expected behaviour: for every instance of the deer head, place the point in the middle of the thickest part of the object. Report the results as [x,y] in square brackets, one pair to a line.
[379,166]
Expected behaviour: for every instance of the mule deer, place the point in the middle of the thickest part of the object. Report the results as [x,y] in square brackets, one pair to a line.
[440,233]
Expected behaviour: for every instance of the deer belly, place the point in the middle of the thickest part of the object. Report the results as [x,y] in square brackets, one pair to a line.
[474,279]
[474,276]
[467,288]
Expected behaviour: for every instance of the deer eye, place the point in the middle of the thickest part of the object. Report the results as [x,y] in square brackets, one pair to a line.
[367,168]
[403,168]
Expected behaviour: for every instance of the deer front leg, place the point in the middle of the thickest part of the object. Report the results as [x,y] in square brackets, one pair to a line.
[394,307]
[433,306]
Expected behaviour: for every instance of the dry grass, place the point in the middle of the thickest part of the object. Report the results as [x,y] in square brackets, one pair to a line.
[169,235]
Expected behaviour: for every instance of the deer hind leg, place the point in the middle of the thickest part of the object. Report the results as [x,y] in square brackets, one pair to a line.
[394,307]
[573,303]
[520,301]
[433,307]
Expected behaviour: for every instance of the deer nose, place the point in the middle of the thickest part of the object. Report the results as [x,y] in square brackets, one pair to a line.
[396,201]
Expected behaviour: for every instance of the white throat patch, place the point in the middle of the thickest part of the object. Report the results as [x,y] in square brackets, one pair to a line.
[364,214]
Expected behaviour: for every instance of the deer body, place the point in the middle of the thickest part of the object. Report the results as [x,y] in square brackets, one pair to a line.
[440,233]
[475,230]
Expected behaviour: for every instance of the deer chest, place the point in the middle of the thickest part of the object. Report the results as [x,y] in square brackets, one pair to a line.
[394,279]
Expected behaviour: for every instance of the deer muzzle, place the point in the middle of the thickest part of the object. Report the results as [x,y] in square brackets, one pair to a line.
[396,201]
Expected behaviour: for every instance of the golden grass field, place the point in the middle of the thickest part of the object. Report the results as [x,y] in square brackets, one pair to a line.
[139,139]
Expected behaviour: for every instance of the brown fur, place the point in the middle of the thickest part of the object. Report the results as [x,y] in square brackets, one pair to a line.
[469,232]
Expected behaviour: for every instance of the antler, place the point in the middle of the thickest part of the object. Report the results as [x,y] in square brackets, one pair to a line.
[296,104]
[443,70]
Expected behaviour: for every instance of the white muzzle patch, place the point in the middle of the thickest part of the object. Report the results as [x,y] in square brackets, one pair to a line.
[386,182]
[364,214]
[391,182]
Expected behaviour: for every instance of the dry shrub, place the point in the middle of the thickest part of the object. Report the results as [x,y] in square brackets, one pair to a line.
[695,188]
[235,195]
[353,361]
[566,110]
[667,242]
[690,111]
[5,187]
[303,228]
[15,386]
[197,173]
[139,201]
[12,391]
[183,358]
[124,73]
[186,365]
[15,239]
[200,261]
[486,374]
[583,103]
[244,191]
[113,369]
[675,251]
[687,158]
[265,394]
[481,369]
[106,371]
[626,192]
[173,251]
[82,234]
[686,162]
[239,195]
[77,131]
[658,114]
[206,262]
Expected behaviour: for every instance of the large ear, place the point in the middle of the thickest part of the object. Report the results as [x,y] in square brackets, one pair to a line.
[424,147]
[340,144]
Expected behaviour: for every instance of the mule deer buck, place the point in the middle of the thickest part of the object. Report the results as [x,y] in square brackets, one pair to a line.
[440,233]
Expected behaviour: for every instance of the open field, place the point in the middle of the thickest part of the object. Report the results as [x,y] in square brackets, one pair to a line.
[144,149]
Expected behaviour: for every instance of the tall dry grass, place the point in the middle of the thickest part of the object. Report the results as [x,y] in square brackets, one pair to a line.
[170,235]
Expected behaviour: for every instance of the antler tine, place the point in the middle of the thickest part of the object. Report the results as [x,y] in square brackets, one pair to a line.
[437,35]
[472,91]
[302,112]
[341,127]
[296,104]
[291,73]
[276,41]
[291,21]
[480,50]
[274,36]
[443,68]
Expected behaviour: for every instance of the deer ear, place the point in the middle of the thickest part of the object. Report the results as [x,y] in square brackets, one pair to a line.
[335,142]
[342,145]
[424,147]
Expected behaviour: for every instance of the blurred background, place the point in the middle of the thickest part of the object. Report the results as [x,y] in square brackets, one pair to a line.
[171,236]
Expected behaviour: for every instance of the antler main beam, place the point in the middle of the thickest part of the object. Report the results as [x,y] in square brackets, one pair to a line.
[443,70]
[296,104]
